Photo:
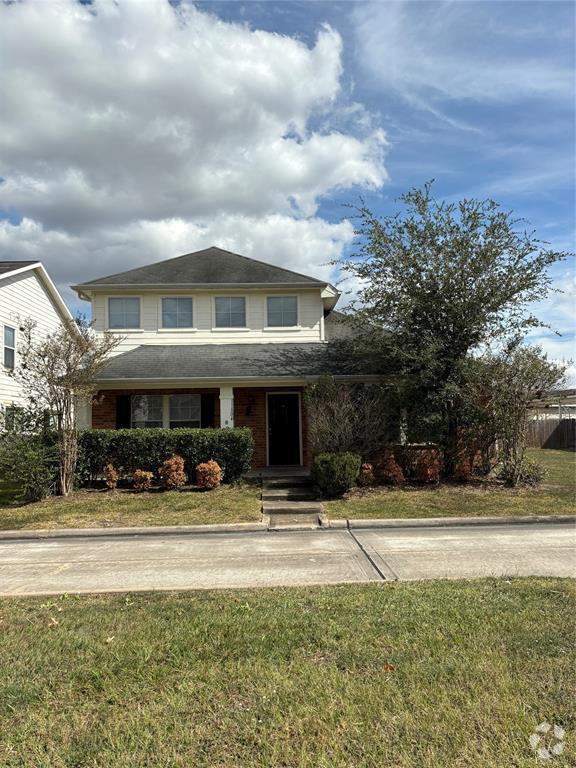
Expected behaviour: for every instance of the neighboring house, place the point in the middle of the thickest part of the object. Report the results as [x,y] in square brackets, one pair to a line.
[213,339]
[26,291]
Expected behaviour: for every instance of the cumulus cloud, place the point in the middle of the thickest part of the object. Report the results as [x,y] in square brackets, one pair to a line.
[306,245]
[144,130]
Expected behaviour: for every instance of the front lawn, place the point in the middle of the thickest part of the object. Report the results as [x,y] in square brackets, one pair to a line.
[557,496]
[411,675]
[100,509]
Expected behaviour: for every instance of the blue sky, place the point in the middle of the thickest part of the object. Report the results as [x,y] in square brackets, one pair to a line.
[299,107]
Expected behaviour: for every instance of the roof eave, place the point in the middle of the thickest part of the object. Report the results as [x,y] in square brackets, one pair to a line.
[162,286]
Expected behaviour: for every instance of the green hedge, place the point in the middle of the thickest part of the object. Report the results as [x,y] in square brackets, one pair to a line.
[147,448]
[335,473]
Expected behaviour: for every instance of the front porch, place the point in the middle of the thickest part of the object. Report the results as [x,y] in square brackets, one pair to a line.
[275,414]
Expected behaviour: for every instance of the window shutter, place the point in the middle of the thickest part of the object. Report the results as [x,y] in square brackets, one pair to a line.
[122,411]
[207,410]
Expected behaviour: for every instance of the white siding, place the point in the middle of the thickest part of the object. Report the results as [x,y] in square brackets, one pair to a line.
[310,313]
[22,296]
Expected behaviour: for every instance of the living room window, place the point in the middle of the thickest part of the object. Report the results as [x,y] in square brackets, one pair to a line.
[230,311]
[282,311]
[146,411]
[185,411]
[124,312]
[9,347]
[177,312]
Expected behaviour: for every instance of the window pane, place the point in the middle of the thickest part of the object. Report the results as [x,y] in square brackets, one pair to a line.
[124,313]
[9,336]
[185,410]
[177,313]
[169,320]
[146,410]
[282,311]
[8,357]
[230,312]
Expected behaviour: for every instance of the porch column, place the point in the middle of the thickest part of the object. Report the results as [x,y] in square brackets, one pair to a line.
[226,406]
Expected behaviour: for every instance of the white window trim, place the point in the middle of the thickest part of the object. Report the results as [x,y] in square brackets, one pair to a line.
[236,329]
[5,346]
[281,328]
[191,329]
[123,330]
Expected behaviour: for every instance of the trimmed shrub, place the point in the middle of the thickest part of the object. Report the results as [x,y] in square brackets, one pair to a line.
[366,475]
[142,480]
[427,468]
[111,476]
[208,475]
[391,472]
[463,470]
[335,473]
[147,448]
[172,473]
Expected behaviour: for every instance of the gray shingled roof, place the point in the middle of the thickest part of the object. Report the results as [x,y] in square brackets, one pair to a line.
[222,361]
[212,266]
[10,266]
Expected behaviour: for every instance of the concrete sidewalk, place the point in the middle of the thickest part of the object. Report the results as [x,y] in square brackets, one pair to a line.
[174,562]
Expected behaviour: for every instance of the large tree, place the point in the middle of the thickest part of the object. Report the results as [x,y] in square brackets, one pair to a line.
[57,371]
[439,280]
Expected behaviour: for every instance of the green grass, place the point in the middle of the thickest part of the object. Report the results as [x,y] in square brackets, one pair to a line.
[412,675]
[557,496]
[96,509]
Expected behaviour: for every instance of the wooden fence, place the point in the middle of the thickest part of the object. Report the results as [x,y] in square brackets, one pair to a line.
[552,433]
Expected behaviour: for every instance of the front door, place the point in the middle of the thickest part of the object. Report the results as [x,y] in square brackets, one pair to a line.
[283,428]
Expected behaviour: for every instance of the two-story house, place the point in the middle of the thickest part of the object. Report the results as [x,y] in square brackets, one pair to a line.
[26,291]
[213,339]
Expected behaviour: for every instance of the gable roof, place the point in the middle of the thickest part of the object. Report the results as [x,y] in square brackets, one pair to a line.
[209,267]
[13,266]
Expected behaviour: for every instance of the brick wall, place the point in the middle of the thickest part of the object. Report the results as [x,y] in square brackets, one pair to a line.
[250,411]
[104,403]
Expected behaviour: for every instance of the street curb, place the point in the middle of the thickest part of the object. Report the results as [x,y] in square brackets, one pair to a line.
[93,533]
[449,522]
[254,527]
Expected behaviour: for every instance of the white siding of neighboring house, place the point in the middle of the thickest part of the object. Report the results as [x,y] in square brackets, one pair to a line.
[310,313]
[22,296]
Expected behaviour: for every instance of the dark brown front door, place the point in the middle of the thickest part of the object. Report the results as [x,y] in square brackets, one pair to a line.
[283,428]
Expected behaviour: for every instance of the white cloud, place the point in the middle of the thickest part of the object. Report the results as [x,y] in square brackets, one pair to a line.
[437,52]
[142,130]
[305,245]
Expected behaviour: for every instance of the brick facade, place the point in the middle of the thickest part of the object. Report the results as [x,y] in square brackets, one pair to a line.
[249,411]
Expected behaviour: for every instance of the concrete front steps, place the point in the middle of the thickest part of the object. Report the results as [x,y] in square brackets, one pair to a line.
[289,503]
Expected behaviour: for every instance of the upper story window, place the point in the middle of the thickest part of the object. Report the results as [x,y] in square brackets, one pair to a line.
[230,311]
[124,312]
[9,347]
[177,313]
[282,311]
[146,410]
